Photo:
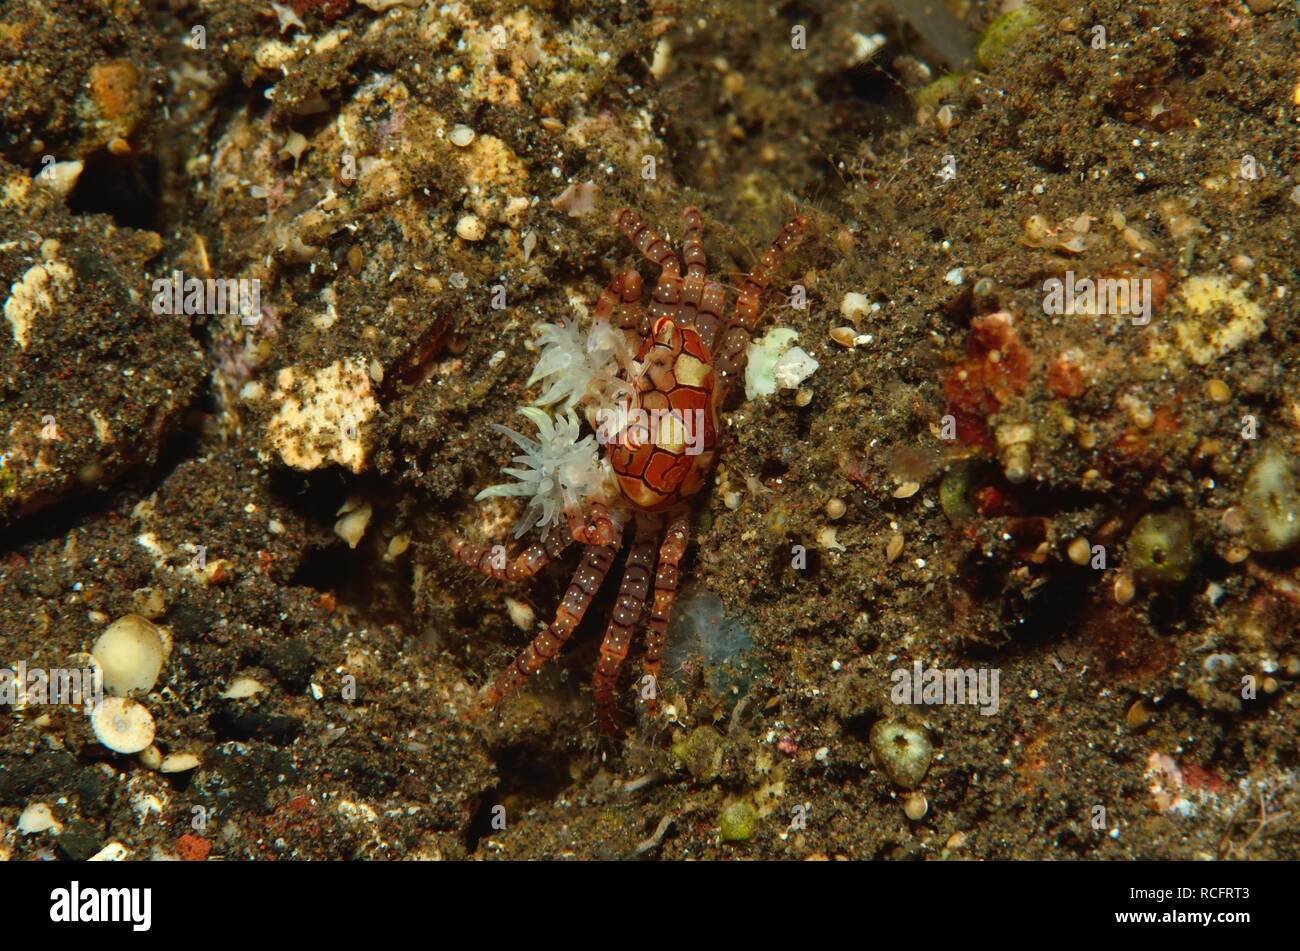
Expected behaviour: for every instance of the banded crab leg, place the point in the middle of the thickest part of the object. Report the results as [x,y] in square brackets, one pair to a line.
[619,304]
[632,594]
[491,560]
[702,300]
[592,523]
[595,564]
[667,294]
[671,552]
[730,356]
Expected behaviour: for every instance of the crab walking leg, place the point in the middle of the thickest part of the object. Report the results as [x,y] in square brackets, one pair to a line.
[671,553]
[586,581]
[632,593]
[656,249]
[592,525]
[491,560]
[692,245]
[620,304]
[708,321]
[730,358]
[666,297]
[693,255]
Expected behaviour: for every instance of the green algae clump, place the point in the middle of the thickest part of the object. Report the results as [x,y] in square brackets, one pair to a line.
[701,753]
[1160,547]
[954,497]
[1271,503]
[902,752]
[737,820]
[1002,34]
[930,95]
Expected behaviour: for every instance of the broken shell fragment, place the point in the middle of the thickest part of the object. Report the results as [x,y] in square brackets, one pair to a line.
[576,200]
[38,817]
[178,763]
[241,688]
[61,177]
[471,228]
[355,517]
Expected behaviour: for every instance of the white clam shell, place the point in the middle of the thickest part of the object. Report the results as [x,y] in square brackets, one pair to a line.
[131,653]
[123,725]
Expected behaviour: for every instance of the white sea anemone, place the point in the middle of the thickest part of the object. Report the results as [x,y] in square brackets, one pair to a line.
[577,365]
[557,470]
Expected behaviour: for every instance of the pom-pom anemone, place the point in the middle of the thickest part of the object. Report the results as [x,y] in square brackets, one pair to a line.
[577,366]
[557,470]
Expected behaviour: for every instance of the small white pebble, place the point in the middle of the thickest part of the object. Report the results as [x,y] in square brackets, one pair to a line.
[37,817]
[471,228]
[826,538]
[822,753]
[521,614]
[854,305]
[113,852]
[462,136]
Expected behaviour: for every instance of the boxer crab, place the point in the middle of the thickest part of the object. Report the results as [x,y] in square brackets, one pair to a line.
[651,380]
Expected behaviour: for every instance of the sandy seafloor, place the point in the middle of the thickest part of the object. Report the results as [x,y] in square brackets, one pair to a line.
[271,499]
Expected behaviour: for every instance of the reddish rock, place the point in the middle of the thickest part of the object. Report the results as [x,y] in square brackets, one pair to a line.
[996,368]
[193,848]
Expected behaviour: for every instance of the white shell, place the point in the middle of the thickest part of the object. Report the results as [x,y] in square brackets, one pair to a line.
[241,688]
[471,228]
[113,852]
[37,817]
[178,763]
[131,653]
[123,725]
[355,517]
